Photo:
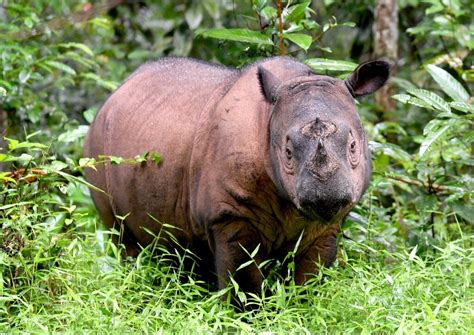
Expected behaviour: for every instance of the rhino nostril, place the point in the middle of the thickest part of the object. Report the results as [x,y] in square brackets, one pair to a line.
[320,149]
[320,157]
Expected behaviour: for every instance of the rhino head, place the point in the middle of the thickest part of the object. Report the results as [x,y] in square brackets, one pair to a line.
[318,147]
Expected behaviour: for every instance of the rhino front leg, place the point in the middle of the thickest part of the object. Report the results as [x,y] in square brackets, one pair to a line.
[232,244]
[321,252]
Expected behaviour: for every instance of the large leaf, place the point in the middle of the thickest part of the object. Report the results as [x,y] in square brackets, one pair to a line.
[110,85]
[433,137]
[393,151]
[466,212]
[448,83]
[61,66]
[193,16]
[430,98]
[302,40]
[237,34]
[296,12]
[15,144]
[74,134]
[461,106]
[408,99]
[79,46]
[323,64]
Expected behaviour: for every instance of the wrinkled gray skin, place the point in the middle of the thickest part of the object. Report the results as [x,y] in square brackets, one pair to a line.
[258,156]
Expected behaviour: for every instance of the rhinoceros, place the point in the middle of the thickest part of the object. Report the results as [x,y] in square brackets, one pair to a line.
[253,159]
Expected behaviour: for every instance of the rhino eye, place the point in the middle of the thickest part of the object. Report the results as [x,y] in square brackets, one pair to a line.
[353,151]
[288,162]
[353,146]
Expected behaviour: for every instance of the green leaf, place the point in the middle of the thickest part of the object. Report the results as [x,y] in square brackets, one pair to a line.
[141,158]
[408,99]
[58,165]
[87,162]
[193,16]
[15,144]
[25,159]
[433,138]
[259,4]
[80,59]
[213,7]
[295,13]
[110,85]
[90,114]
[24,75]
[237,34]
[140,54]
[348,24]
[255,251]
[61,66]
[461,106]
[323,64]
[244,265]
[430,98]
[448,83]
[440,305]
[402,83]
[155,157]
[114,160]
[412,255]
[79,46]
[269,13]
[393,151]
[302,40]
[6,84]
[404,98]
[465,211]
[73,135]
[102,22]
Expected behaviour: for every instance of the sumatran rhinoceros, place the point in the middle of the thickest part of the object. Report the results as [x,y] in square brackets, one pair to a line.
[259,157]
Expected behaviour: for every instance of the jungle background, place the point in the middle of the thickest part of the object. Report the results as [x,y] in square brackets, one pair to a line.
[406,256]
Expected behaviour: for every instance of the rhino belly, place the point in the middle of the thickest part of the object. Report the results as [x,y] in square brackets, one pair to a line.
[152,193]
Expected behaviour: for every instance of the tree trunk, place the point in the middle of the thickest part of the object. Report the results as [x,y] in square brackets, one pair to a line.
[386,46]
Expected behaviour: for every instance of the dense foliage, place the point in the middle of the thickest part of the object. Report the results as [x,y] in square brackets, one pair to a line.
[407,257]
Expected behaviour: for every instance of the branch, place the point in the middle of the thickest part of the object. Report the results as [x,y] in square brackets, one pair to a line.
[434,187]
[280,28]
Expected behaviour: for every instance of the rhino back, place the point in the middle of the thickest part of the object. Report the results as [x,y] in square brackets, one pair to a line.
[156,110]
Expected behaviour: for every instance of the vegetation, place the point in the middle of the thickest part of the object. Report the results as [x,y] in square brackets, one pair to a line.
[406,259]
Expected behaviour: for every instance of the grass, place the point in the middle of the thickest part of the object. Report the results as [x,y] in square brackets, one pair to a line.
[59,272]
[87,288]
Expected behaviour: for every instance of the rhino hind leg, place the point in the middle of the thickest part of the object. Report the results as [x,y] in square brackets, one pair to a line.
[93,147]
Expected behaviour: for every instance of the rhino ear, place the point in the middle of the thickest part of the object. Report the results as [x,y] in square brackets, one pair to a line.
[268,84]
[368,77]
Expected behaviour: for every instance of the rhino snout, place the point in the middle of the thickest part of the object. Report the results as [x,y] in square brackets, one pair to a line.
[326,200]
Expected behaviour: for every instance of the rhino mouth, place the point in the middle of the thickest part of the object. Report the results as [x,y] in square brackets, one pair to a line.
[326,212]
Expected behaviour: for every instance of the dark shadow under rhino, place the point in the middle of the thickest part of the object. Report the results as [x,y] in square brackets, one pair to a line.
[251,157]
